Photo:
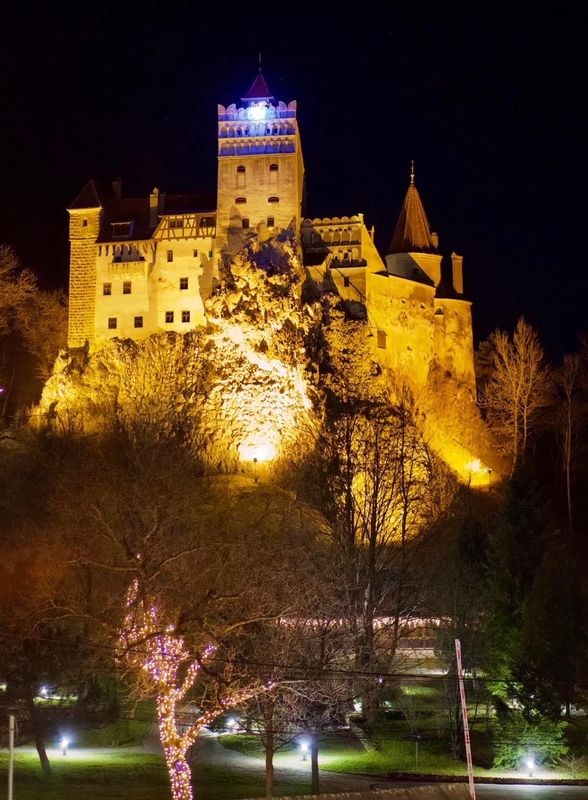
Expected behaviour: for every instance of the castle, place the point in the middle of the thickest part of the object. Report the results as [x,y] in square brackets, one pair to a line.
[147,265]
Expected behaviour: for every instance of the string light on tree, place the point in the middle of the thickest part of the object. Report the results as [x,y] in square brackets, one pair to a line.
[169,670]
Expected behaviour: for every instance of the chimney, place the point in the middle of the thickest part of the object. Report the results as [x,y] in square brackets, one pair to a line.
[117,188]
[457,269]
[155,199]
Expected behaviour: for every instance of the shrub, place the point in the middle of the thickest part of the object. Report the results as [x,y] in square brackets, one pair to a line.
[515,737]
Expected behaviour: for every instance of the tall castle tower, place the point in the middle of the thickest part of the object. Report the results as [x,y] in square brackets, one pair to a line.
[260,168]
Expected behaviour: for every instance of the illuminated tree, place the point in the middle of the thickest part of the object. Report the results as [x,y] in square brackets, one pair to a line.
[516,388]
[167,668]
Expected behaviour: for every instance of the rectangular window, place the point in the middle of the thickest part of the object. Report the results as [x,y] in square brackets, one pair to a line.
[346,281]
[245,223]
[195,253]
[185,316]
[210,253]
[170,256]
[126,287]
[382,340]
[84,223]
[176,223]
[271,222]
[138,322]
[183,283]
[111,323]
[169,316]
[106,288]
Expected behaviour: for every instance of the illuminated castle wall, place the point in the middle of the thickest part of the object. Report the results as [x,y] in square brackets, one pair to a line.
[147,265]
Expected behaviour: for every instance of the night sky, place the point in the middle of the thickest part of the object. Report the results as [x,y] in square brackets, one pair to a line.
[490,103]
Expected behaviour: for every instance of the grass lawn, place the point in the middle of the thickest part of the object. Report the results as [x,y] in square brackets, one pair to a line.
[106,776]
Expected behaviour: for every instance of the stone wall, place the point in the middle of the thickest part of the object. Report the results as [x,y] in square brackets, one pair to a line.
[83,232]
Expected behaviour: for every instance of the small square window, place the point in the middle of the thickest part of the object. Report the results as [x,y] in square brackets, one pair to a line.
[185,316]
[106,288]
[111,323]
[84,223]
[245,223]
[170,256]
[169,316]
[195,253]
[183,283]
[126,287]
[271,222]
[138,322]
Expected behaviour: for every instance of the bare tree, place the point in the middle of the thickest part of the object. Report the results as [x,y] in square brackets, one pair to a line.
[42,324]
[517,387]
[570,418]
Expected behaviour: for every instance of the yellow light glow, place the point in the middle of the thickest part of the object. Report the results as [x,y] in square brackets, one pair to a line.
[475,465]
[258,452]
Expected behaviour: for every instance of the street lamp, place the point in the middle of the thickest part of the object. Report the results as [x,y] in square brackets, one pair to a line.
[304,746]
[64,743]
[530,762]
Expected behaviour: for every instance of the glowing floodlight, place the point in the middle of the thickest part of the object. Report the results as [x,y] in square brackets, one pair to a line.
[257,111]
[64,744]
[530,762]
[231,723]
[257,453]
[304,748]
[475,465]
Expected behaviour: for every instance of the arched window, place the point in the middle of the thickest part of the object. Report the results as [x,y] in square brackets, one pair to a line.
[240,200]
[241,177]
[240,168]
[273,174]
[273,199]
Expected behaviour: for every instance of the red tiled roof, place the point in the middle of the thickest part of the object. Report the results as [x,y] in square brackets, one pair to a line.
[259,89]
[412,232]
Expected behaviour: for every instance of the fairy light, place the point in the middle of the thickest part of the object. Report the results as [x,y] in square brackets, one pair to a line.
[171,670]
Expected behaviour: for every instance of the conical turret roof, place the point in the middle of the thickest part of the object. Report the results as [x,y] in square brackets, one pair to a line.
[412,232]
[259,89]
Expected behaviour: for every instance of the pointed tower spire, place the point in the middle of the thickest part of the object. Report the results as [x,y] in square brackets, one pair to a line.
[412,232]
[259,89]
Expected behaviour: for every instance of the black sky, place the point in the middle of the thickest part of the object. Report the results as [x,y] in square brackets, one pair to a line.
[490,101]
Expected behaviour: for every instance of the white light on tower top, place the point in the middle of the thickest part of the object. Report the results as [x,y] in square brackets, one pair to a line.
[257,110]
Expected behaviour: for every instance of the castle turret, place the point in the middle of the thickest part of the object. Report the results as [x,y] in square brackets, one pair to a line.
[260,168]
[84,227]
[413,251]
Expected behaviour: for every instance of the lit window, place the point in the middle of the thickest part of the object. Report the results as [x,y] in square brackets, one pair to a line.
[185,316]
[138,322]
[240,200]
[111,323]
[271,222]
[273,199]
[106,288]
[170,256]
[183,283]
[176,223]
[127,287]
[169,316]
[245,223]
[382,340]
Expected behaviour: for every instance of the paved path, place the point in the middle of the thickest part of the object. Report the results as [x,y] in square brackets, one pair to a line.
[208,751]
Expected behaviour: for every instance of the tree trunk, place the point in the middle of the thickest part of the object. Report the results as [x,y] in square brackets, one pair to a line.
[180,776]
[38,736]
[314,766]
[269,751]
